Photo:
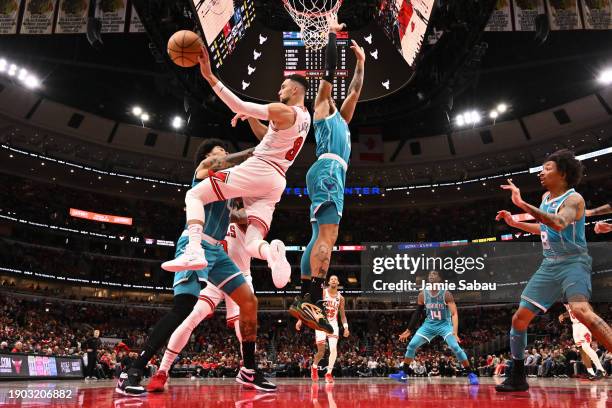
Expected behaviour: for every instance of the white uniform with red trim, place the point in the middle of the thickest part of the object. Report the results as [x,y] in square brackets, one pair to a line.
[260,180]
[235,246]
[580,332]
[332,305]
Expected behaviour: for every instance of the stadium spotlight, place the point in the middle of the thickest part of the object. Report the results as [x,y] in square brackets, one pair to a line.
[460,120]
[476,117]
[31,82]
[144,117]
[177,122]
[3,64]
[23,73]
[605,77]
[12,70]
[502,108]
[137,111]
[494,114]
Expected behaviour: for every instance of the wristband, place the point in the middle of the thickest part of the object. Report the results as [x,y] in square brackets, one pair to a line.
[345,325]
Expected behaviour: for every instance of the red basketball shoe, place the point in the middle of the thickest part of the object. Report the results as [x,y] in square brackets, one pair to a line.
[314,373]
[158,382]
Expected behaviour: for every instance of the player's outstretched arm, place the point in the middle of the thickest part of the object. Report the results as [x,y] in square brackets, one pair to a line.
[350,103]
[236,104]
[532,228]
[324,96]
[567,214]
[604,209]
[258,128]
[221,163]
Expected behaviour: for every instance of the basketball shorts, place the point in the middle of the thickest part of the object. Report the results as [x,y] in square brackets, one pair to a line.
[216,296]
[430,331]
[221,271]
[555,279]
[259,182]
[325,181]
[581,334]
[321,336]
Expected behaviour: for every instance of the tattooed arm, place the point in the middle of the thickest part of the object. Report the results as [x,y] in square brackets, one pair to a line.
[569,212]
[221,163]
[348,107]
[239,216]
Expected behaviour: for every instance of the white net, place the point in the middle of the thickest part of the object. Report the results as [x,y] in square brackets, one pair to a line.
[313,16]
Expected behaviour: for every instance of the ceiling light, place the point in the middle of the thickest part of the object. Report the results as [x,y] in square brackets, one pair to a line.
[12,70]
[459,120]
[502,107]
[23,73]
[144,117]
[3,64]
[137,110]
[606,77]
[177,122]
[31,81]
[493,114]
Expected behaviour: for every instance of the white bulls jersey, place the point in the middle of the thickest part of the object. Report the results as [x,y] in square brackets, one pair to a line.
[280,147]
[580,332]
[236,248]
[332,305]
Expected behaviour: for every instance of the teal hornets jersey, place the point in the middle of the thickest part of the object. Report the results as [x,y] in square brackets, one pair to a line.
[217,217]
[436,309]
[332,135]
[567,242]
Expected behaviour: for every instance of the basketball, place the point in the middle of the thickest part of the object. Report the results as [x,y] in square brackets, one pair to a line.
[184,48]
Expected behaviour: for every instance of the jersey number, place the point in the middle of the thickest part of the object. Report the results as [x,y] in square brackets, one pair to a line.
[436,315]
[544,237]
[295,149]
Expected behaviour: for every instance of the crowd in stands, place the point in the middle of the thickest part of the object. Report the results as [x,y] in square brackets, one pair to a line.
[51,327]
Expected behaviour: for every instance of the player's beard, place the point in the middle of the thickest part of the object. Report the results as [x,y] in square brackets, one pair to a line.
[285,100]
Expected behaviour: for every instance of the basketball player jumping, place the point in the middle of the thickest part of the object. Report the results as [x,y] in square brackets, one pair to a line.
[209,298]
[441,319]
[566,268]
[260,180]
[325,181]
[601,227]
[333,302]
[582,339]
[211,156]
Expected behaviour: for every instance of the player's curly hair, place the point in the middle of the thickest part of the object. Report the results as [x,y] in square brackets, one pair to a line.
[206,147]
[568,165]
[300,79]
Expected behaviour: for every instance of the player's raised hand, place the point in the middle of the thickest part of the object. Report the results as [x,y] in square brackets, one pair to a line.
[506,216]
[239,116]
[334,26]
[404,336]
[516,193]
[603,227]
[359,51]
[204,60]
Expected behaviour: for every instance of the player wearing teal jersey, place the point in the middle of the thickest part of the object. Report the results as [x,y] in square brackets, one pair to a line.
[566,268]
[325,182]
[441,319]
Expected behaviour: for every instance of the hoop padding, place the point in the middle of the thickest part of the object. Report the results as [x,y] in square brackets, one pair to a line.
[312,16]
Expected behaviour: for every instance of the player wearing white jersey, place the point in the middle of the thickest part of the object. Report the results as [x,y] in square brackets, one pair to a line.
[260,180]
[210,297]
[582,338]
[333,303]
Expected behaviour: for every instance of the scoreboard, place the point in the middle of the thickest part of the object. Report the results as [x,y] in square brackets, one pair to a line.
[224,23]
[300,60]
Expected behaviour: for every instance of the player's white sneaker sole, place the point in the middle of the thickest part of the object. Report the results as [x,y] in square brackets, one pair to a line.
[281,269]
[190,260]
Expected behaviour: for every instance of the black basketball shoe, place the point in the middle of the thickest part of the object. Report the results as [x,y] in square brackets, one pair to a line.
[254,379]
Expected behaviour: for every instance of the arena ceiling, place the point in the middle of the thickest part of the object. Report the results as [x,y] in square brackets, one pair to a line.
[470,70]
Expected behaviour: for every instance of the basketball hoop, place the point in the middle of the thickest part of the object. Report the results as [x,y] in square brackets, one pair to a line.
[312,16]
